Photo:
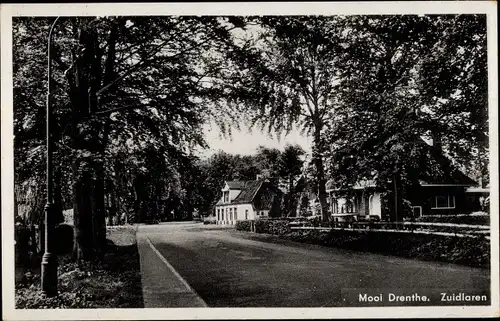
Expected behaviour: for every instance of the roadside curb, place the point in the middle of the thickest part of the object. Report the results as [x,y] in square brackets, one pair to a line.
[162,285]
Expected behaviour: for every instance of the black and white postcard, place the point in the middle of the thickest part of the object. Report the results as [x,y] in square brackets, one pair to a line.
[241,160]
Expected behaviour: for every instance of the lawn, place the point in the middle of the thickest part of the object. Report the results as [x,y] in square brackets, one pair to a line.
[113,283]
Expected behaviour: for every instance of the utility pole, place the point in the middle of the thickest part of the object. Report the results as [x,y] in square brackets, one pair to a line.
[49,259]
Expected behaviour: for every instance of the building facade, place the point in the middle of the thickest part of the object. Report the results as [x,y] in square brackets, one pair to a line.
[247,200]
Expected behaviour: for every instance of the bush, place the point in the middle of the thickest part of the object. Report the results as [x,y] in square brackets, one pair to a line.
[114,282]
[272,226]
[483,219]
[471,251]
[26,252]
[243,225]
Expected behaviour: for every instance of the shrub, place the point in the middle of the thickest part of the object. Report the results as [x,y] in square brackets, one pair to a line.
[457,219]
[278,227]
[243,225]
[471,251]
[114,282]
[272,226]
[26,251]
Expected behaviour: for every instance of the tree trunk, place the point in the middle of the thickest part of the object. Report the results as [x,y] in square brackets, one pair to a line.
[58,210]
[82,210]
[99,210]
[397,212]
[291,198]
[320,172]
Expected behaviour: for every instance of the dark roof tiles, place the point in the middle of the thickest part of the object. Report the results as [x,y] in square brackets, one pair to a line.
[261,193]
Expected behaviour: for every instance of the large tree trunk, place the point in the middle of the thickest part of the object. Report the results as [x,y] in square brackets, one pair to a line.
[320,172]
[82,210]
[99,210]
[88,164]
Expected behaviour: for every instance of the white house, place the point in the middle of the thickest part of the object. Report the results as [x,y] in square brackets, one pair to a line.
[246,200]
[364,201]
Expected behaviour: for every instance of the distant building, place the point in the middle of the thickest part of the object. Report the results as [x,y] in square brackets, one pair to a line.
[444,191]
[247,200]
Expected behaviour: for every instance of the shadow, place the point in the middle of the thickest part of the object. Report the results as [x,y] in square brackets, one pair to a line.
[114,281]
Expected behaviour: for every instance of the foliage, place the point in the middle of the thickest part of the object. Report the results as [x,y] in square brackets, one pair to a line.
[400,86]
[212,172]
[113,283]
[293,81]
[457,219]
[469,251]
[243,225]
[272,226]
[129,91]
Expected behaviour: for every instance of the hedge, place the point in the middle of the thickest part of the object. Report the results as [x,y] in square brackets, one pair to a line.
[243,225]
[470,251]
[457,219]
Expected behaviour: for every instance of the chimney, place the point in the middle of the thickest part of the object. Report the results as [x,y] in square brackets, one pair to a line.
[258,177]
[480,181]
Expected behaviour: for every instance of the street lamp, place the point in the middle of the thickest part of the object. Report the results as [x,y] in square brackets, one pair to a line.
[49,259]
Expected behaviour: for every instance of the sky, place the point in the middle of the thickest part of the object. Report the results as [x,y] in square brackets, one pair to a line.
[245,142]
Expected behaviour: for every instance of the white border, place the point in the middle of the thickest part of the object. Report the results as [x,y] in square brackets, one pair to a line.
[271,8]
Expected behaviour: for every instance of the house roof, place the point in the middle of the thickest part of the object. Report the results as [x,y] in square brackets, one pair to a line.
[260,193]
[248,191]
[440,170]
[236,184]
[266,196]
[444,171]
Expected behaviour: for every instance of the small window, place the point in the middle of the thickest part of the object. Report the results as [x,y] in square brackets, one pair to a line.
[444,201]
[235,214]
[246,214]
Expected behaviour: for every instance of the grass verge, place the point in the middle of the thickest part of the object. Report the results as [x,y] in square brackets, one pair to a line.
[113,283]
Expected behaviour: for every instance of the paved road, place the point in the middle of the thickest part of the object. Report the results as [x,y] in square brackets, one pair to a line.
[237,269]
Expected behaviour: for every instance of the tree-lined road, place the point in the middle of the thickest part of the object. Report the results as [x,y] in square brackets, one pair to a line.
[236,269]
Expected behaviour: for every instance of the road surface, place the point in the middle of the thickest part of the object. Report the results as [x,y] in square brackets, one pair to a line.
[228,268]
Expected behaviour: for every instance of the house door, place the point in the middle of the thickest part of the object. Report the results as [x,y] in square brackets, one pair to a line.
[374,205]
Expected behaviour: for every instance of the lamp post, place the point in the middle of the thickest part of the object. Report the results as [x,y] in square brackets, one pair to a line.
[49,259]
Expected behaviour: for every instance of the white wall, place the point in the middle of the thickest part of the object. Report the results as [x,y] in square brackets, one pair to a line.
[231,219]
[375,206]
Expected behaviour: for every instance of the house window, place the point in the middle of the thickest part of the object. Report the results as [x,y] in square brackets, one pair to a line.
[226,197]
[231,214]
[235,214]
[218,214]
[246,214]
[444,201]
